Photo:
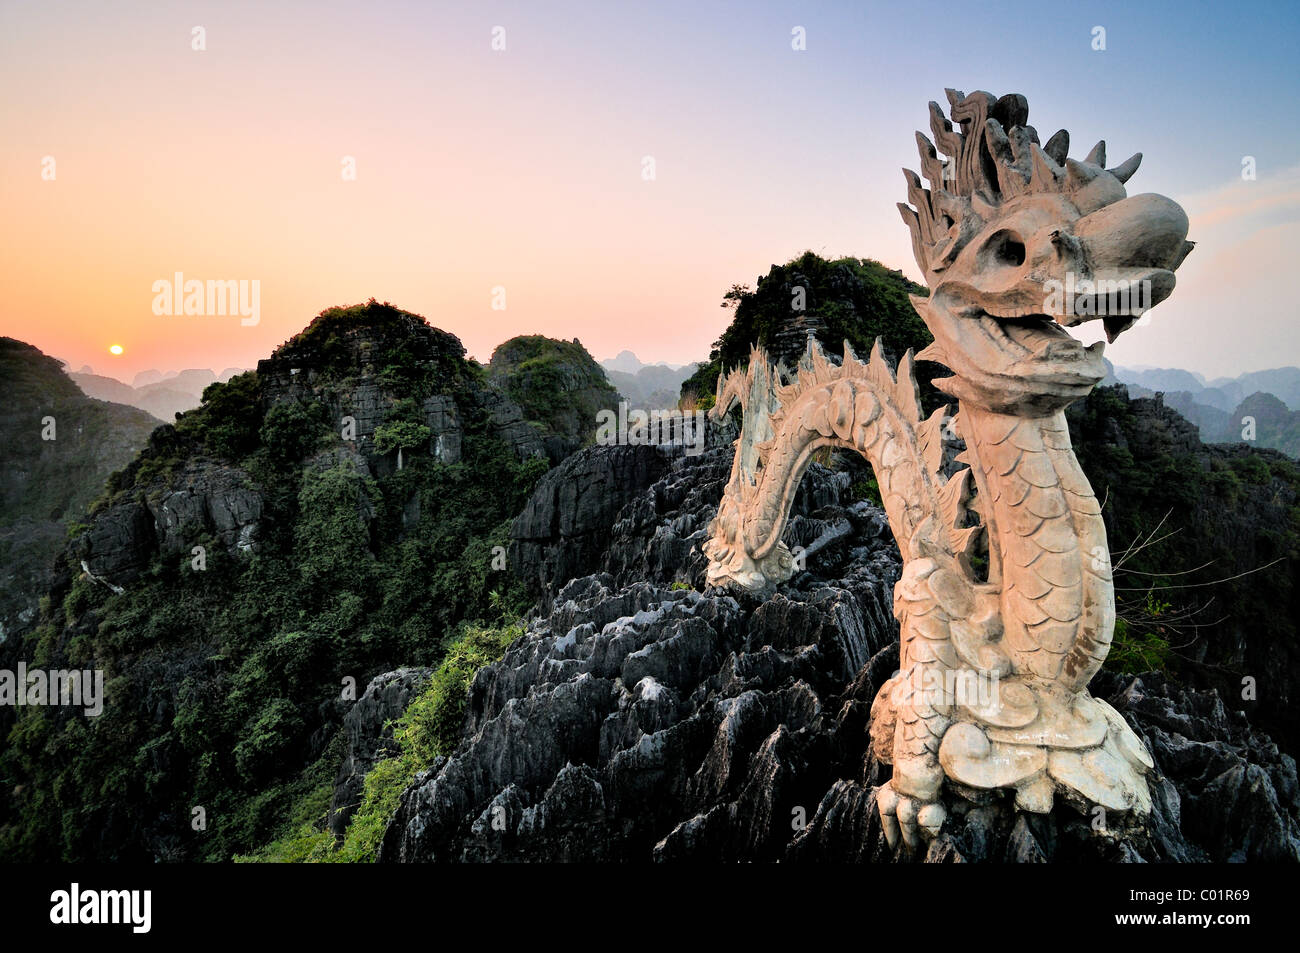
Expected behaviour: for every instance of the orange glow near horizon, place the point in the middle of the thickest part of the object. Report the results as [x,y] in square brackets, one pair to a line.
[523,169]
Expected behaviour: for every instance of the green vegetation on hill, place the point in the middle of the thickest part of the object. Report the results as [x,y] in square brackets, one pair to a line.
[45,484]
[400,348]
[224,686]
[1205,542]
[430,726]
[853,299]
[560,387]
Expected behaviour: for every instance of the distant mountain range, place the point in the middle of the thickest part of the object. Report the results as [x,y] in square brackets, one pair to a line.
[1225,393]
[1260,407]
[646,386]
[162,394]
[628,363]
[1223,409]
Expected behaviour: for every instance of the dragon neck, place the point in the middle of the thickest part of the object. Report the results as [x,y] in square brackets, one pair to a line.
[1047,544]
[859,407]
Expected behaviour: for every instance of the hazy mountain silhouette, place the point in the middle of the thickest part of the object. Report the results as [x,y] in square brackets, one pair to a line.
[162,394]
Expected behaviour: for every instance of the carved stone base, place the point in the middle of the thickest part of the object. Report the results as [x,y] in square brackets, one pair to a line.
[1085,752]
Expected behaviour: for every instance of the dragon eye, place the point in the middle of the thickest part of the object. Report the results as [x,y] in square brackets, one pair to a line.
[1004,250]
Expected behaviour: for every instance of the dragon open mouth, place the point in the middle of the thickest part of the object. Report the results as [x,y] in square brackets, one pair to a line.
[1039,337]
[1117,303]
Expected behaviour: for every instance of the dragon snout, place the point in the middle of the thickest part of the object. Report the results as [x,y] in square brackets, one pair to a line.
[1137,233]
[1127,252]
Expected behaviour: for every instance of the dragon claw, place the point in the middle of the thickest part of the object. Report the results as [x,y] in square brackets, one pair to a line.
[887,803]
[930,818]
[914,820]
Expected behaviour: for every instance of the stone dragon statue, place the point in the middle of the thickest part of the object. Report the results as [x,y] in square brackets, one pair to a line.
[1016,240]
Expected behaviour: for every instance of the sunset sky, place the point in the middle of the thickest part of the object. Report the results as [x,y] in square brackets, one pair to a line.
[522,168]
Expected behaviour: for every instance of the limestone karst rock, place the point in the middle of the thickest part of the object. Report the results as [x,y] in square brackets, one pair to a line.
[638,721]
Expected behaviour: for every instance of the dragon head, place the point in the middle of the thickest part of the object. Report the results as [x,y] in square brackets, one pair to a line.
[1017,241]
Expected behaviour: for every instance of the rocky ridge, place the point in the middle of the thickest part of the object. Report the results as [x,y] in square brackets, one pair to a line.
[45,484]
[369,738]
[387,355]
[346,365]
[643,718]
[559,386]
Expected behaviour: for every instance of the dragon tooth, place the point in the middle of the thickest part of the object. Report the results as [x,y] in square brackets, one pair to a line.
[1116,324]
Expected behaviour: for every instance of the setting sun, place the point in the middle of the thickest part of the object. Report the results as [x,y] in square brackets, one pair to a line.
[115,349]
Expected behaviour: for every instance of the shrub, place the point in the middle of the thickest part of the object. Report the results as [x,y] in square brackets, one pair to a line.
[431,726]
[293,430]
[855,300]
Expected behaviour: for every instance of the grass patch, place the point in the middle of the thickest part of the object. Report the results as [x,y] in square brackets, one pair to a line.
[431,726]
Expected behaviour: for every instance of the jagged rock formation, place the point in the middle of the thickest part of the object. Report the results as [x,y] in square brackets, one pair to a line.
[359,362]
[204,499]
[1223,792]
[565,529]
[369,737]
[559,386]
[574,523]
[639,721]
[612,666]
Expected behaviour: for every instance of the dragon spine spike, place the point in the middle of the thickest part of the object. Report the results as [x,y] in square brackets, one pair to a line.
[1058,147]
[850,358]
[1124,171]
[931,167]
[930,437]
[953,496]
[909,396]
[913,221]
[948,142]
[878,369]
[1078,174]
